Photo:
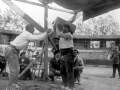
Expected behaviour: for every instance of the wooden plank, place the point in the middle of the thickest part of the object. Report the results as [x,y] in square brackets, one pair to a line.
[23,14]
[27,18]
[29,66]
[62,22]
[46,43]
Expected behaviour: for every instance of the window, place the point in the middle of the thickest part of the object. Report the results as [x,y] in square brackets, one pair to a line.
[109,43]
[94,44]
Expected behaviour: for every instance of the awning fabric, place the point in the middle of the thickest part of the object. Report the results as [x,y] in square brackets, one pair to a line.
[90,8]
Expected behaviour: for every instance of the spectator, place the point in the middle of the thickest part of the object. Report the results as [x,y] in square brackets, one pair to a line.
[115,59]
[24,62]
[78,67]
[2,63]
[55,65]
[12,51]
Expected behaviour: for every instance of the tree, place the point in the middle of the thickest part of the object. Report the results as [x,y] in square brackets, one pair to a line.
[10,20]
[101,26]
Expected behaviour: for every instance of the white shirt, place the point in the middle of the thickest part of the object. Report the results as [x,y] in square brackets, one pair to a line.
[23,60]
[64,43]
[21,42]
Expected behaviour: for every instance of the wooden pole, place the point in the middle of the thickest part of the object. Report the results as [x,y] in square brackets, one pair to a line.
[46,41]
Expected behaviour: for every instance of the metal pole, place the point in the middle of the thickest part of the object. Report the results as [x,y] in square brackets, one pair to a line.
[46,42]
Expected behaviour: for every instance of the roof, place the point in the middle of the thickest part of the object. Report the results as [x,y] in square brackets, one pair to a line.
[9,32]
[96,37]
[90,8]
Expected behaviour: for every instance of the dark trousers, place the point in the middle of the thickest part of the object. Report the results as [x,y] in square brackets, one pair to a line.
[67,73]
[27,75]
[77,75]
[53,74]
[116,66]
[66,67]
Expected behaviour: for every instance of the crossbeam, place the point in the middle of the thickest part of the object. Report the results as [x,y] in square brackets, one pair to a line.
[23,14]
[28,18]
[49,7]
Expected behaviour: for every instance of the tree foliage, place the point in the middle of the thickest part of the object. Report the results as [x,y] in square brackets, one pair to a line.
[10,20]
[99,26]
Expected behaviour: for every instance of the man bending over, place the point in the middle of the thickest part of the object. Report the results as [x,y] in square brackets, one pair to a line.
[12,51]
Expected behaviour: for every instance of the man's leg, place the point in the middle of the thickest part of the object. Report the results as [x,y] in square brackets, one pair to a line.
[13,67]
[63,73]
[29,75]
[118,68]
[23,77]
[51,76]
[70,74]
[114,70]
[79,76]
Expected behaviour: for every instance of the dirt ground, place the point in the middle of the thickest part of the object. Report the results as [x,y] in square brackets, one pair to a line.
[93,78]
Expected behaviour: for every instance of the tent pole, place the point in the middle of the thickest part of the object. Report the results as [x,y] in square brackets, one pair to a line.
[46,41]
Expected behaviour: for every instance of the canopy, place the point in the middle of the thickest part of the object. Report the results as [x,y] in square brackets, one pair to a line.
[90,8]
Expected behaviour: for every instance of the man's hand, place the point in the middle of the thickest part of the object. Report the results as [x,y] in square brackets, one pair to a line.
[58,72]
[30,50]
[78,67]
[49,31]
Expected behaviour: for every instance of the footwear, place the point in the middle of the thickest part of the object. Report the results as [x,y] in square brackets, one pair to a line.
[112,77]
[70,89]
[16,86]
[79,83]
[64,88]
[52,78]
[13,87]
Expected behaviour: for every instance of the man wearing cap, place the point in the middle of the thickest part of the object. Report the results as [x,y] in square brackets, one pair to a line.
[78,67]
[55,65]
[20,43]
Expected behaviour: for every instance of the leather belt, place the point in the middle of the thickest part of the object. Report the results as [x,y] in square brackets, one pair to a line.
[14,47]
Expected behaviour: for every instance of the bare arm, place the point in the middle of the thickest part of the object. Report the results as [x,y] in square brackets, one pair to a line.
[63,35]
[38,37]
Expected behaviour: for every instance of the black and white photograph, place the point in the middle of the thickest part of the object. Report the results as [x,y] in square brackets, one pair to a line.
[59,44]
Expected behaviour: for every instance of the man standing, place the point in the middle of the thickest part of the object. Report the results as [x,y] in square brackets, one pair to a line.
[12,51]
[78,67]
[67,56]
[55,65]
[116,62]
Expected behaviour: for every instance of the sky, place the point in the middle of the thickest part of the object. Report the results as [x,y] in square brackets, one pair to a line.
[37,13]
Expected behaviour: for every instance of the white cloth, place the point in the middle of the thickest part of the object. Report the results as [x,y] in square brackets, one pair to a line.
[64,43]
[23,60]
[21,42]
